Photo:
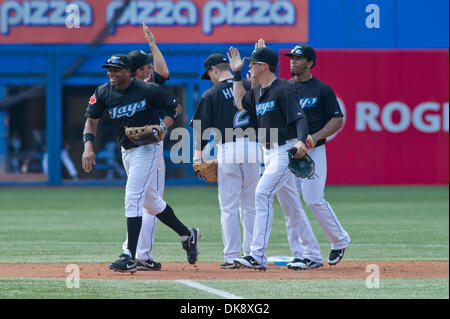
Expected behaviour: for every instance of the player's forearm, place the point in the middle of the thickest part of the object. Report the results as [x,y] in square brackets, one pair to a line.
[168,121]
[90,127]
[238,93]
[198,155]
[159,62]
[332,126]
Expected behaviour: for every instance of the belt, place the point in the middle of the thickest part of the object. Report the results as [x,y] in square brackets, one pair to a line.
[269,146]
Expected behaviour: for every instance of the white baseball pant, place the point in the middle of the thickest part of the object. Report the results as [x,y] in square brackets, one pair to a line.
[238,175]
[151,177]
[312,191]
[278,179]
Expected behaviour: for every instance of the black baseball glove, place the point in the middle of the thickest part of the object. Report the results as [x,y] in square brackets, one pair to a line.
[300,167]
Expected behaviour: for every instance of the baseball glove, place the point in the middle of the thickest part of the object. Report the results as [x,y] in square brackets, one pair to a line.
[143,135]
[207,170]
[301,167]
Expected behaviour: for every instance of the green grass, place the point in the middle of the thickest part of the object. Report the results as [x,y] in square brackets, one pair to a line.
[32,288]
[88,225]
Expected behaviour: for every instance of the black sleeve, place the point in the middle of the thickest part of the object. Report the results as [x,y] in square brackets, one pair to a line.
[302,129]
[96,106]
[204,114]
[248,102]
[331,105]
[158,79]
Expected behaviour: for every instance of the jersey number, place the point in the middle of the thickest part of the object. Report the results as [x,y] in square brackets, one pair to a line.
[241,118]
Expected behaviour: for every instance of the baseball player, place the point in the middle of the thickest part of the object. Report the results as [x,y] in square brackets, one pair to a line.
[325,118]
[142,69]
[237,155]
[141,62]
[134,103]
[275,104]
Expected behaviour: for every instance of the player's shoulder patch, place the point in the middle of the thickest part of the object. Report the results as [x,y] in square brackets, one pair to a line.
[93,99]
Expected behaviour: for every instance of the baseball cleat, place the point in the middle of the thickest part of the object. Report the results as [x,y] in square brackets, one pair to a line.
[226,265]
[124,264]
[303,264]
[148,265]
[190,245]
[249,262]
[335,256]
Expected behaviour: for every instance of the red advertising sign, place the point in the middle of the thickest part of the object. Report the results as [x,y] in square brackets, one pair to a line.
[172,21]
[397,115]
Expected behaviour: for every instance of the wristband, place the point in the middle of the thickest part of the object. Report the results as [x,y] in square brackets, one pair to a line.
[237,76]
[88,137]
[164,127]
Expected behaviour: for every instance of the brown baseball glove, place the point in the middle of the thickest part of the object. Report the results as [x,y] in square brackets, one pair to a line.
[207,170]
[147,134]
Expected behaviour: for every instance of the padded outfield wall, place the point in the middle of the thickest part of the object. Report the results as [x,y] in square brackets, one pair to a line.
[386,59]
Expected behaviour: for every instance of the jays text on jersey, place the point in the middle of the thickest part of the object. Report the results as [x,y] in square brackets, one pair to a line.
[275,106]
[319,103]
[137,105]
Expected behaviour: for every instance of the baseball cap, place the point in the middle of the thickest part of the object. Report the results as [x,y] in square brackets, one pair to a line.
[303,50]
[265,55]
[212,60]
[139,58]
[120,61]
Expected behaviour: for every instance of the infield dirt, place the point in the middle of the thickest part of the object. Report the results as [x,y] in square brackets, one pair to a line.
[211,271]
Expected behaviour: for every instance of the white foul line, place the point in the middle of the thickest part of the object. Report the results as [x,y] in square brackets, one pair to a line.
[220,293]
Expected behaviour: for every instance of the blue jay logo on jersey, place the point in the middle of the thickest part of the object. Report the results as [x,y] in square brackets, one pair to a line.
[127,110]
[308,102]
[262,108]
[241,118]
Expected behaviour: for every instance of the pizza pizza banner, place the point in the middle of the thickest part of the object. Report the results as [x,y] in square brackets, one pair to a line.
[181,21]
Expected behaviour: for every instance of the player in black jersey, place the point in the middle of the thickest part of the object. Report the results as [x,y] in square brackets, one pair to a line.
[141,62]
[324,118]
[132,103]
[281,125]
[238,161]
[142,69]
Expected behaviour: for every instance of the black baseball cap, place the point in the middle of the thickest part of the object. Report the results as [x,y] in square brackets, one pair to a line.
[139,58]
[120,61]
[303,50]
[265,55]
[212,60]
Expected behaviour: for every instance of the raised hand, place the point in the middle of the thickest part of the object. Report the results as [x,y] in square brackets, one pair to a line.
[234,57]
[148,35]
[260,44]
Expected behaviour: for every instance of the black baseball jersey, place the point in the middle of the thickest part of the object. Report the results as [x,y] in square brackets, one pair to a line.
[137,105]
[156,78]
[275,106]
[217,109]
[319,103]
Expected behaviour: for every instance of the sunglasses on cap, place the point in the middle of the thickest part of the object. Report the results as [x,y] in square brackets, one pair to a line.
[116,61]
[256,62]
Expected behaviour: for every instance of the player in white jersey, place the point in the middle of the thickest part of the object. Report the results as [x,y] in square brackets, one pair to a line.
[238,156]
